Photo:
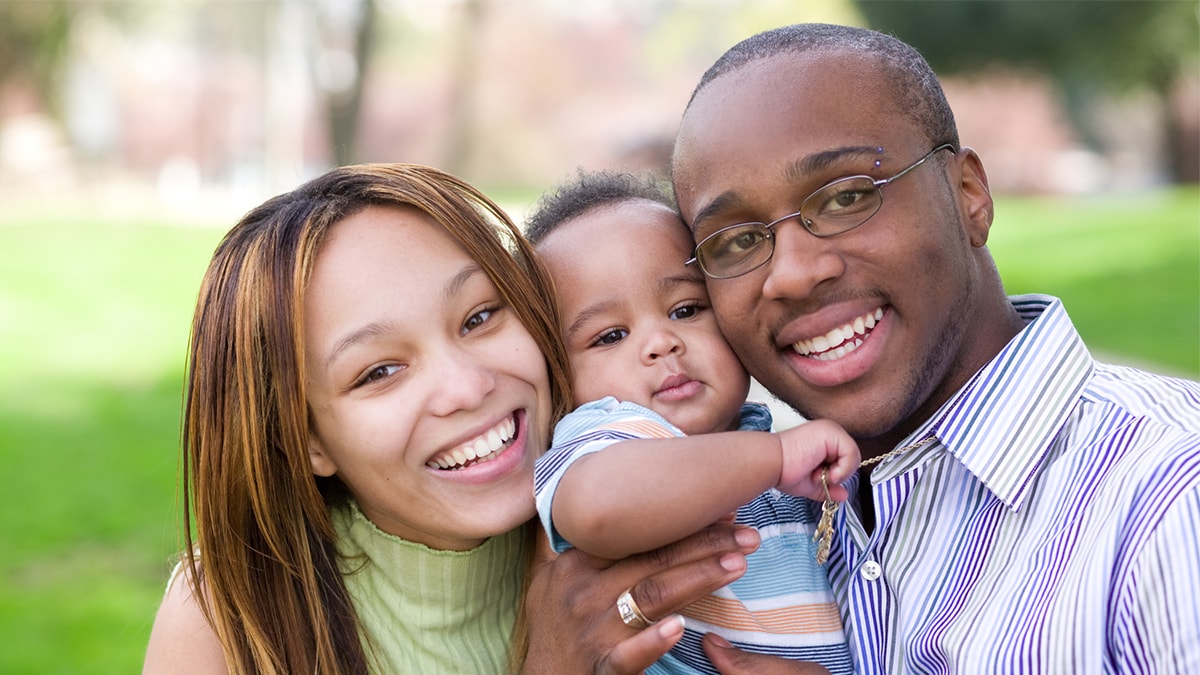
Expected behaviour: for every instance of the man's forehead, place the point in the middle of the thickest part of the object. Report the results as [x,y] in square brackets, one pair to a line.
[823,90]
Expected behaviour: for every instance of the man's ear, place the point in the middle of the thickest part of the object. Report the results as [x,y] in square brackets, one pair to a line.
[322,463]
[978,198]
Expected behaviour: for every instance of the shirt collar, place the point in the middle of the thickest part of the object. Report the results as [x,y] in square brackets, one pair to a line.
[1002,423]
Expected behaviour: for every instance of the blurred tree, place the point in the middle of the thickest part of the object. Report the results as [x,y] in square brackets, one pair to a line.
[1087,46]
[468,34]
[33,44]
[346,40]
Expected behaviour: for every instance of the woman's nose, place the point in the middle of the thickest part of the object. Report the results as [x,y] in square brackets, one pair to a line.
[801,262]
[460,382]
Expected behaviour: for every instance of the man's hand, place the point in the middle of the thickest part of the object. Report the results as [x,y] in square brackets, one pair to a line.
[732,661]
[574,626]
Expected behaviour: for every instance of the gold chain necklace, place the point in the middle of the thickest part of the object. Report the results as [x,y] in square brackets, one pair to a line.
[898,451]
[824,533]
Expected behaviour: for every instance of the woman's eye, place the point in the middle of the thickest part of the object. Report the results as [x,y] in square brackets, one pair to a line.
[476,320]
[611,336]
[379,373]
[684,312]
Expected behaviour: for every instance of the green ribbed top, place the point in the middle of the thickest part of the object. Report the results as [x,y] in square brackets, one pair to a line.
[429,611]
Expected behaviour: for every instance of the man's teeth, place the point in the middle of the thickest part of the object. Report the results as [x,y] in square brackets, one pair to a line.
[841,340]
[484,448]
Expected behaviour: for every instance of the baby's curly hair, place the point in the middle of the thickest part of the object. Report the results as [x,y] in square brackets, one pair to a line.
[587,191]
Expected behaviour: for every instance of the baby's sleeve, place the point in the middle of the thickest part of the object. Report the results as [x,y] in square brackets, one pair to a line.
[589,428]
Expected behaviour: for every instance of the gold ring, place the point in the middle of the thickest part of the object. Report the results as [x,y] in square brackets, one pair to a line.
[630,613]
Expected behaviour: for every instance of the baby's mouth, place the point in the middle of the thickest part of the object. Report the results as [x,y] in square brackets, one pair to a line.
[483,448]
[841,340]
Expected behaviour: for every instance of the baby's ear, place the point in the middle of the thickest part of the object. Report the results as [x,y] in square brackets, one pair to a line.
[322,463]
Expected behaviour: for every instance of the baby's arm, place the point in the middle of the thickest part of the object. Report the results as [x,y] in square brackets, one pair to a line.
[637,495]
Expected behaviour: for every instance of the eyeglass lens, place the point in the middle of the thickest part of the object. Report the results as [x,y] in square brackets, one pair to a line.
[835,208]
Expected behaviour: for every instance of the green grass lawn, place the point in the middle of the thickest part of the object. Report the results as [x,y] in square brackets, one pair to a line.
[1126,267]
[94,315]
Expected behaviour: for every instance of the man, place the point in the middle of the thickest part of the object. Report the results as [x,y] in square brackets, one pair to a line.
[1021,508]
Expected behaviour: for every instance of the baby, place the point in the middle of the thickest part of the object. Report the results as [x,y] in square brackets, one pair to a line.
[663,395]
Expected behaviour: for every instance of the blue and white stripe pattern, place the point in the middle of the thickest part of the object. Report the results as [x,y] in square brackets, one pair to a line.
[1053,527]
[782,606]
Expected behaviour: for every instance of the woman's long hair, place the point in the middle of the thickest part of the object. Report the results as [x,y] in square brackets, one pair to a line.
[261,518]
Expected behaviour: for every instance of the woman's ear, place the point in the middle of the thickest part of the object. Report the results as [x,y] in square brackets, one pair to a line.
[322,463]
[978,198]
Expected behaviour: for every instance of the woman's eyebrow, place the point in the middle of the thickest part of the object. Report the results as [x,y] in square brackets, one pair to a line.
[362,334]
[455,284]
[451,288]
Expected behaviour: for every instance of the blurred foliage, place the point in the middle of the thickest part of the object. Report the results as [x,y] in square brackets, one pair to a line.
[33,41]
[1115,42]
[1087,46]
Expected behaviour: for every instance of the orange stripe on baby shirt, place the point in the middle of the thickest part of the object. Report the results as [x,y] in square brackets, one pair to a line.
[641,428]
[802,619]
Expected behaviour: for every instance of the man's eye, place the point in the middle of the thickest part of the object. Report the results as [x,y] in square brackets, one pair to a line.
[848,198]
[739,241]
[611,336]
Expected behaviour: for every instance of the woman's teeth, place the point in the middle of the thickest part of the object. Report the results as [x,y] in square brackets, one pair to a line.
[841,340]
[483,448]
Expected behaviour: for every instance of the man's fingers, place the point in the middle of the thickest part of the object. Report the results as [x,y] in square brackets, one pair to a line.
[635,654]
[730,660]
[690,569]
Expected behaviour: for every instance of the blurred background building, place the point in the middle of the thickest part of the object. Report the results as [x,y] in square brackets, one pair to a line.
[202,102]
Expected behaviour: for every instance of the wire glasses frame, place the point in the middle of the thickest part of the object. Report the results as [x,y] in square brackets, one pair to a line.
[837,207]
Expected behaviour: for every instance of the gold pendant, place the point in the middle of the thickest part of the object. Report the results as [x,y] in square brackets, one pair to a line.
[824,534]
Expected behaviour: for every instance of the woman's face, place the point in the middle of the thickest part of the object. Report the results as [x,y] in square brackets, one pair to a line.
[429,398]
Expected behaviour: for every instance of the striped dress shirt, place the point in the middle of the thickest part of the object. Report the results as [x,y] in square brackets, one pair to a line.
[1052,527]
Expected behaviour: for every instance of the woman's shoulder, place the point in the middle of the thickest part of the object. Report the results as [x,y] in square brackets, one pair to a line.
[182,640]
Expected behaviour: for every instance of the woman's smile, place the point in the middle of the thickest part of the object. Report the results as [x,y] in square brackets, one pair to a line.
[482,448]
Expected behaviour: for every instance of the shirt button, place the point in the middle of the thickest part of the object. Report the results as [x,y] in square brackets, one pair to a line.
[871,570]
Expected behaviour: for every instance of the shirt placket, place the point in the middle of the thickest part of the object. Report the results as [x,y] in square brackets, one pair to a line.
[870,597]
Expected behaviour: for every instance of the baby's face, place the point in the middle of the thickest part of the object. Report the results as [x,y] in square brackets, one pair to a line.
[637,321]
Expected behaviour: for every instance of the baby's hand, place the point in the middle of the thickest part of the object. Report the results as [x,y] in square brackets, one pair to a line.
[809,449]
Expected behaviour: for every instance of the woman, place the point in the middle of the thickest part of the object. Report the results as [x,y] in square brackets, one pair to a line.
[374,365]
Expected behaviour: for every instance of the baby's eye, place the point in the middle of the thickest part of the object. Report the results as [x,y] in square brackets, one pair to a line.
[684,312]
[611,336]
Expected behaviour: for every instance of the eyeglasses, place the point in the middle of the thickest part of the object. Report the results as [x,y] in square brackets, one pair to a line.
[835,208]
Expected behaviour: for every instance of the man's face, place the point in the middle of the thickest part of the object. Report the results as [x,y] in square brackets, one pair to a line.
[870,327]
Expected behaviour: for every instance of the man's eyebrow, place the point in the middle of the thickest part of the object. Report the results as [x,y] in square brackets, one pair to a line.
[803,168]
[452,287]
[796,171]
[724,201]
